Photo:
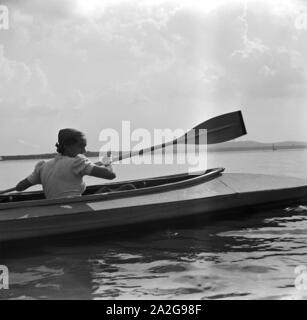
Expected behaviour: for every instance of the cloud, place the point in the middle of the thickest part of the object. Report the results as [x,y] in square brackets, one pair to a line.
[13,75]
[53,10]
[25,88]
[301,21]
[249,46]
[69,62]
[267,63]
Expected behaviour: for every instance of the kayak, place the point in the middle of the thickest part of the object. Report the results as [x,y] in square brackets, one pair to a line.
[29,215]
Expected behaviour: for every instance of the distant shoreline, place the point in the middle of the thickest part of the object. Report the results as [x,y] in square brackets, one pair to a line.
[226,148]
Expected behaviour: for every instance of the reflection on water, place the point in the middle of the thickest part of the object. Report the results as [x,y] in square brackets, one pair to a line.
[252,257]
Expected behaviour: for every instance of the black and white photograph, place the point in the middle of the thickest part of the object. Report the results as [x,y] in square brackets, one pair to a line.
[153,151]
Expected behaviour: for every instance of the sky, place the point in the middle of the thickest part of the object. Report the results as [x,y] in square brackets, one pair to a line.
[91,64]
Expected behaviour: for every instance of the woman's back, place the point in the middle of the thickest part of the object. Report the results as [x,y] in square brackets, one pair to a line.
[62,176]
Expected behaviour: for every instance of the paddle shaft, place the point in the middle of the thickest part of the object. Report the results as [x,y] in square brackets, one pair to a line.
[181,140]
[8,190]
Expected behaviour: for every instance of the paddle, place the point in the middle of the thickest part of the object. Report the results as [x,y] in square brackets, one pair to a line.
[7,190]
[219,129]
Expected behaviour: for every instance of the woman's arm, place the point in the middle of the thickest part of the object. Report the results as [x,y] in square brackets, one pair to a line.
[23,185]
[103,172]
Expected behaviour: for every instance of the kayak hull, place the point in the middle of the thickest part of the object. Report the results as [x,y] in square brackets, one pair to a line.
[201,196]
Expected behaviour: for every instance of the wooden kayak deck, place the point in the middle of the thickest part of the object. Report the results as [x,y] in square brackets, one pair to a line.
[226,184]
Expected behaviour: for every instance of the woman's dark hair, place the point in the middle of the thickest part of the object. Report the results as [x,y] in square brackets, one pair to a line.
[68,137]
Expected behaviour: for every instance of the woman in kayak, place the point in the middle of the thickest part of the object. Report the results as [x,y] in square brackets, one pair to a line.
[63,176]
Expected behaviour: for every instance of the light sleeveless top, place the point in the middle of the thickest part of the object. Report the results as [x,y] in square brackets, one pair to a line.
[62,176]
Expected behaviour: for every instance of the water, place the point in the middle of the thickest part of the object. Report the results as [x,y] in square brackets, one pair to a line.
[198,261]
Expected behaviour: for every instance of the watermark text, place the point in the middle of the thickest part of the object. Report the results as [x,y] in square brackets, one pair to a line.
[4,277]
[4,18]
[162,146]
[300,281]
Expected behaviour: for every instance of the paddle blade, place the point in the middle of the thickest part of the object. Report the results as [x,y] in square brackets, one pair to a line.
[224,127]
